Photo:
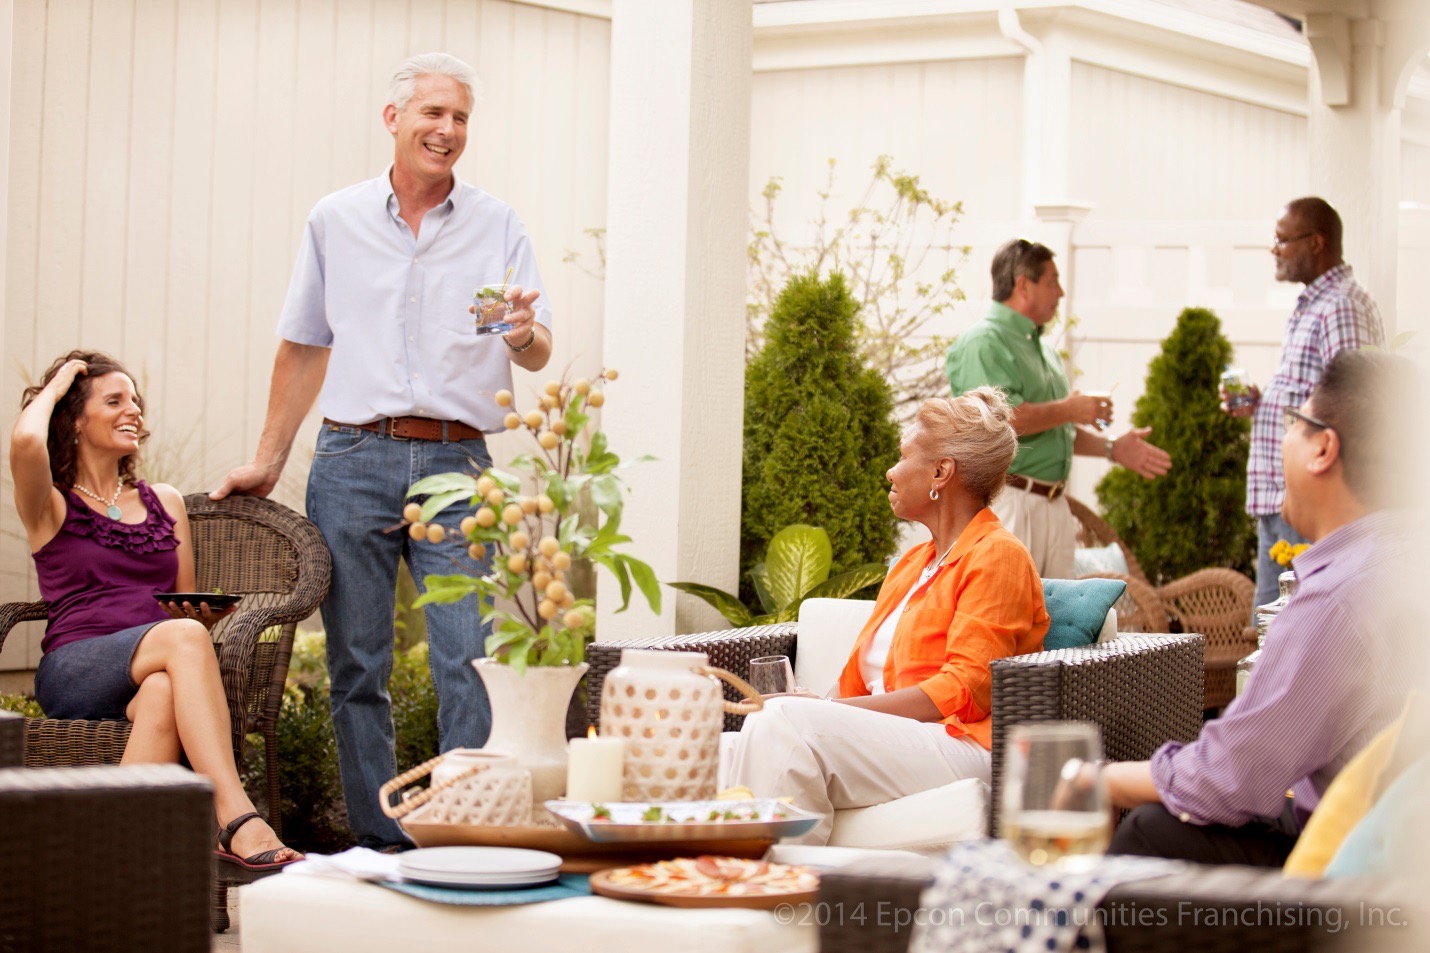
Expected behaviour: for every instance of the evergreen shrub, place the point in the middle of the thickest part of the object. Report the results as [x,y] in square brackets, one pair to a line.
[819,432]
[1195,516]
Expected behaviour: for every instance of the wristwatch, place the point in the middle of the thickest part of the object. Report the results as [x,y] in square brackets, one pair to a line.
[1107,449]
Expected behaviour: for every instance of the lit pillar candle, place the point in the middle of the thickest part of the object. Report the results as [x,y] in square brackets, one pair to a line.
[593,771]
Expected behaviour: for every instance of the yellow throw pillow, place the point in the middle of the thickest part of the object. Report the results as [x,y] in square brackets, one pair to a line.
[1345,802]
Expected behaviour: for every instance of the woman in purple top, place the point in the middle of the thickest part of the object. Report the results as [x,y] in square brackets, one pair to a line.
[104,544]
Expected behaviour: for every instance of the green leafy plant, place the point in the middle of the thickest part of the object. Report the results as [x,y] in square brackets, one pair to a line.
[1195,516]
[795,568]
[819,433]
[21,705]
[895,248]
[529,519]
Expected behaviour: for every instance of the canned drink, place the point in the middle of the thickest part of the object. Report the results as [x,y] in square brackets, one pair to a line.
[1238,394]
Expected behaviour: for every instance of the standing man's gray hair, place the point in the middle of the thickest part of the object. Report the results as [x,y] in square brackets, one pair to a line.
[404,81]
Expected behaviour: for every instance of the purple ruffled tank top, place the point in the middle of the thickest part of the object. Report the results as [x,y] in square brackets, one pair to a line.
[100,575]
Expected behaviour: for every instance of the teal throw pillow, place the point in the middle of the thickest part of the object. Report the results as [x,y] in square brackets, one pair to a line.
[1077,608]
[1377,846]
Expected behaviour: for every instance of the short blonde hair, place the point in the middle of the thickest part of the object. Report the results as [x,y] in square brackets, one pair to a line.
[974,429]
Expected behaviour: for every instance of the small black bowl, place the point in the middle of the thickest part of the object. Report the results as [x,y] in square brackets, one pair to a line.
[217,601]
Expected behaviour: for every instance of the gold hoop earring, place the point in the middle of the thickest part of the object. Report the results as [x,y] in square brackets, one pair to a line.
[933,493]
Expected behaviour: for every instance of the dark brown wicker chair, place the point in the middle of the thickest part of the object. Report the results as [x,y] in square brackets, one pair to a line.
[12,740]
[1213,602]
[1141,690]
[105,859]
[278,561]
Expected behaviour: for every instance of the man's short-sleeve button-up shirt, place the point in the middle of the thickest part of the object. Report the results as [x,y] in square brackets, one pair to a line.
[392,307]
[1007,350]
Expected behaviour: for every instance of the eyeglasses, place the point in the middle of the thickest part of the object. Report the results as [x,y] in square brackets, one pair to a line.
[1291,415]
[1278,242]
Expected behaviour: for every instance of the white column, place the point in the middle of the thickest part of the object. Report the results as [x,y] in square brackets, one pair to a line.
[1047,111]
[1357,88]
[677,225]
[18,646]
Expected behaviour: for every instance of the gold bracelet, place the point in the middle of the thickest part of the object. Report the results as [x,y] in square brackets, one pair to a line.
[517,350]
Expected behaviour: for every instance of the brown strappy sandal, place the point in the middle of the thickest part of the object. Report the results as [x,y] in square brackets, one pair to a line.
[264,860]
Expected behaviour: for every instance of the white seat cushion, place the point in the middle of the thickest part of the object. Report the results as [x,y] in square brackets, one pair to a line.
[827,631]
[925,822]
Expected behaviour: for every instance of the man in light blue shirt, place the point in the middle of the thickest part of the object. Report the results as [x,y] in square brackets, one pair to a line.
[376,327]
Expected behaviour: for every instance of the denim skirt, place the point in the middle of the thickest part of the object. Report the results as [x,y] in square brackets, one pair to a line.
[90,678]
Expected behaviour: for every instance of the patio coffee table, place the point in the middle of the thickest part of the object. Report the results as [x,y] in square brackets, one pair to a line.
[289,914]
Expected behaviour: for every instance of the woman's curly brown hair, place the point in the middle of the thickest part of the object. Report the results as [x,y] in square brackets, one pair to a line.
[65,419]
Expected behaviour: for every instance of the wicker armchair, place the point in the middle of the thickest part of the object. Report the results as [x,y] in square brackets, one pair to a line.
[1141,690]
[278,561]
[243,545]
[105,859]
[1215,603]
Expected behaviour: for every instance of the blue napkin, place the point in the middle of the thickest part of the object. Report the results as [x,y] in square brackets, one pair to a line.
[568,885]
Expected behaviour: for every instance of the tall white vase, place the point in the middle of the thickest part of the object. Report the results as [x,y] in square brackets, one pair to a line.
[529,722]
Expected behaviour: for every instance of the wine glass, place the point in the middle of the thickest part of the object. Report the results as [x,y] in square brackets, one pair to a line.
[772,675]
[492,309]
[1055,808]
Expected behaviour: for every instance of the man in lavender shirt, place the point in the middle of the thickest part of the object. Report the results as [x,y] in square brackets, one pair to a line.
[1338,662]
[376,327]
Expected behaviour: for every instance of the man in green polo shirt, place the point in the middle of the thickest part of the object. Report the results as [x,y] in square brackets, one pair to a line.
[1007,349]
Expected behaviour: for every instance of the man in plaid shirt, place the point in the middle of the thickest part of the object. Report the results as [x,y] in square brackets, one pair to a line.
[1334,313]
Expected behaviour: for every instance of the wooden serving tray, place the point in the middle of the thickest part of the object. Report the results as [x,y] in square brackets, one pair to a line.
[579,855]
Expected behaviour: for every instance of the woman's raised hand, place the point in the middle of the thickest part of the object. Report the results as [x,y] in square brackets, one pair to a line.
[64,378]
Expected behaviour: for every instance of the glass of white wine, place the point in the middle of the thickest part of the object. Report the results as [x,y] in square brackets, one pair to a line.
[1055,808]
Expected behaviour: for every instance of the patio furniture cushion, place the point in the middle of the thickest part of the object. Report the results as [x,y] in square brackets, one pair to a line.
[1343,805]
[1088,560]
[333,915]
[926,822]
[1378,846]
[1077,609]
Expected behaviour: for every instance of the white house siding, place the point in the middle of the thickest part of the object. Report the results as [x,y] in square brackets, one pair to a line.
[164,156]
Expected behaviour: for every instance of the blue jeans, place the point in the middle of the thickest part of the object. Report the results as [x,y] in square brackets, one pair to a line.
[356,491]
[1270,529]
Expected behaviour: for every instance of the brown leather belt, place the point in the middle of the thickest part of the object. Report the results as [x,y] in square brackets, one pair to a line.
[1050,490]
[415,428]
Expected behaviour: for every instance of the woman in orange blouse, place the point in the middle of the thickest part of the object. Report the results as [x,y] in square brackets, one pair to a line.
[913,701]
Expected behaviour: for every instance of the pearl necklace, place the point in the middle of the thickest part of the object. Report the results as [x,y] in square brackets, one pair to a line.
[112,509]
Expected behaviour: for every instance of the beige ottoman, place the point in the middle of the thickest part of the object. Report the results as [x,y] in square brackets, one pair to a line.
[306,914]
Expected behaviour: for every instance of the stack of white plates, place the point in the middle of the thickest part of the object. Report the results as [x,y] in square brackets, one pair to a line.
[478,867]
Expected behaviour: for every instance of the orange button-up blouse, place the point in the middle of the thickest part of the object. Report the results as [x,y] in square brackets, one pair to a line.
[985,602]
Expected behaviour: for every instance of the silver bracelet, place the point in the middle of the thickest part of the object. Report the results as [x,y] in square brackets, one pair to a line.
[1108,449]
[517,350]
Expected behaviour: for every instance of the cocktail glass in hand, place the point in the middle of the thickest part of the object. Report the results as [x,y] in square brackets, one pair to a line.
[492,309]
[772,675]
[1055,808]
[1234,386]
[1104,417]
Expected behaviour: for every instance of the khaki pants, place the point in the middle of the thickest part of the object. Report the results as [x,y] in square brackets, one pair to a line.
[829,757]
[1046,527]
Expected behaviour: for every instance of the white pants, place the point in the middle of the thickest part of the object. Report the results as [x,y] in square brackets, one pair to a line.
[829,757]
[1046,527]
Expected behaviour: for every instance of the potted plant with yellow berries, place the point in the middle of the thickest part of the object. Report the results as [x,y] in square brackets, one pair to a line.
[526,531]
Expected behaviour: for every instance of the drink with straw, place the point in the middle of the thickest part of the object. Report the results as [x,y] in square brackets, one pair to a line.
[490,304]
